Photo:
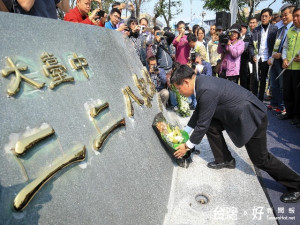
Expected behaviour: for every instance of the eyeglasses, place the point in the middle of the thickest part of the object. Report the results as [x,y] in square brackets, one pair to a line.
[117,17]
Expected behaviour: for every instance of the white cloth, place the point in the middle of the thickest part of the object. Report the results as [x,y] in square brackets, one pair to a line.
[263,49]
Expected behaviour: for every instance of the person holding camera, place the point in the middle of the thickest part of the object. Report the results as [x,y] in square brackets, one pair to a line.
[214,56]
[181,44]
[197,46]
[137,39]
[80,14]
[159,79]
[231,49]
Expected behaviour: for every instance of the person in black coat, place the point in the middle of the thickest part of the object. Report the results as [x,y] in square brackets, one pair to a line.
[224,105]
[263,39]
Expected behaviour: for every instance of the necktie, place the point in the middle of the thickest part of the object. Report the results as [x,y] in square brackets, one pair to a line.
[282,38]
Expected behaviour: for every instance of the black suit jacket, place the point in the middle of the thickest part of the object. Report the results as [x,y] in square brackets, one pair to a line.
[256,36]
[236,108]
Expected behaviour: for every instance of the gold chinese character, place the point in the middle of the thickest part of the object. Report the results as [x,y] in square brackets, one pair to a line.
[98,142]
[55,70]
[15,83]
[128,94]
[29,191]
[79,63]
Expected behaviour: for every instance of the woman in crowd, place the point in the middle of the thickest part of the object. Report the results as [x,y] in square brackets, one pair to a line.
[200,33]
[214,56]
[231,51]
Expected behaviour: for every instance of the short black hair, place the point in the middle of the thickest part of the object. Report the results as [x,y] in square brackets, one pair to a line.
[115,4]
[130,20]
[296,9]
[179,23]
[270,11]
[195,28]
[253,18]
[151,58]
[192,37]
[115,10]
[144,18]
[183,72]
[156,28]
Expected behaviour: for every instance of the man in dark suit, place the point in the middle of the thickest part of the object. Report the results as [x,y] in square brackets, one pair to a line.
[224,105]
[263,39]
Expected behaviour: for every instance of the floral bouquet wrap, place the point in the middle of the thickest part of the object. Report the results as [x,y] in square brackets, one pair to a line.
[171,137]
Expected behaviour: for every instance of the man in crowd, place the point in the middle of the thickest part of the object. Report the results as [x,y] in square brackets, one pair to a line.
[196,46]
[263,39]
[245,57]
[181,44]
[252,24]
[275,62]
[158,77]
[224,105]
[252,70]
[291,77]
[209,35]
[115,17]
[42,8]
[80,14]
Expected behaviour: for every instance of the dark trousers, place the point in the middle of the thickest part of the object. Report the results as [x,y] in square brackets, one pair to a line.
[253,80]
[258,153]
[291,94]
[263,68]
[244,73]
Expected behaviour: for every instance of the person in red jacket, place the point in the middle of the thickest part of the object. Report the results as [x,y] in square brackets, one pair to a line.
[80,14]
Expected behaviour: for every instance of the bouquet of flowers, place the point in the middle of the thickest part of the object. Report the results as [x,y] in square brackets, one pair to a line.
[276,45]
[183,104]
[171,137]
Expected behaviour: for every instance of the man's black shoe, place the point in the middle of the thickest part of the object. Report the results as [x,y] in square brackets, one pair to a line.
[295,121]
[290,197]
[217,166]
[284,117]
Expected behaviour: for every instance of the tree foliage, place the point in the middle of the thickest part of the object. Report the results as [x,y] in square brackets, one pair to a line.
[167,9]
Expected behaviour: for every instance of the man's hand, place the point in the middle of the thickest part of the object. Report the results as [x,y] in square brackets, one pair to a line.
[254,59]
[276,55]
[94,15]
[122,27]
[130,6]
[181,151]
[285,64]
[297,58]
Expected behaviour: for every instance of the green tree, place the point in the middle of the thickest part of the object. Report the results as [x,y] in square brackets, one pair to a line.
[167,9]
[217,5]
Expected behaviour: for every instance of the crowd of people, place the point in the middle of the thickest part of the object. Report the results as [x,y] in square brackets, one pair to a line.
[261,58]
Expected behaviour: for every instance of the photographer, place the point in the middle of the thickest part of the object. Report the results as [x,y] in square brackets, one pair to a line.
[231,49]
[80,14]
[181,44]
[197,46]
[138,40]
[158,77]
[160,48]
[201,67]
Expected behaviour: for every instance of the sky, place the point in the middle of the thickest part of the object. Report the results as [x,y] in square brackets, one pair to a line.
[196,8]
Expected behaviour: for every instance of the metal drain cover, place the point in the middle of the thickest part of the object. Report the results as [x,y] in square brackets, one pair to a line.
[201,199]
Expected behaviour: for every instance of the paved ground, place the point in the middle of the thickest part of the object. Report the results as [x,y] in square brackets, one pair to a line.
[284,143]
[234,196]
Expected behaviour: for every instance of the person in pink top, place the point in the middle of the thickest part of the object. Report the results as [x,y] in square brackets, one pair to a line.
[181,44]
[231,54]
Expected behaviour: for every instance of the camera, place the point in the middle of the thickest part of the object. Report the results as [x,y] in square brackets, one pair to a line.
[142,29]
[224,37]
[193,58]
[155,69]
[101,13]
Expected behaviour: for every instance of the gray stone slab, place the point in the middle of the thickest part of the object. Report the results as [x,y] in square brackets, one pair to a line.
[129,181]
